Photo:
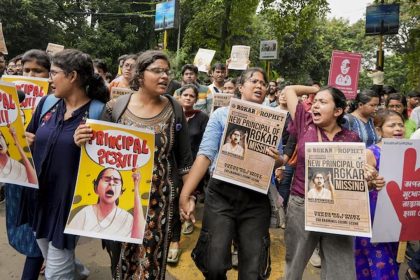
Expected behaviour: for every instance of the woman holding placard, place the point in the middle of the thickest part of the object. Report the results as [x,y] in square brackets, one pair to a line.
[230,211]
[56,156]
[150,108]
[379,260]
[322,123]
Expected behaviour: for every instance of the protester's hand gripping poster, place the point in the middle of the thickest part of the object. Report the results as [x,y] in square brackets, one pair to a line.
[397,216]
[113,184]
[221,100]
[336,192]
[203,59]
[34,89]
[344,72]
[54,48]
[239,57]
[16,164]
[118,91]
[250,130]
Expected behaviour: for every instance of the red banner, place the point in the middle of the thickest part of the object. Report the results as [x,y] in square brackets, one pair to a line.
[344,72]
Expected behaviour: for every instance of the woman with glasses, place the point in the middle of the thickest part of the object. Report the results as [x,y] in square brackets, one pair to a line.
[149,107]
[398,103]
[127,68]
[230,211]
[56,158]
[105,217]
[360,117]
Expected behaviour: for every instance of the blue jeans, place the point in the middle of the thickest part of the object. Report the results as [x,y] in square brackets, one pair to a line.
[283,187]
[231,212]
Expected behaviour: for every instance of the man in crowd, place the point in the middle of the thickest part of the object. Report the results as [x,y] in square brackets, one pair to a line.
[413,101]
[271,98]
[218,75]
[189,76]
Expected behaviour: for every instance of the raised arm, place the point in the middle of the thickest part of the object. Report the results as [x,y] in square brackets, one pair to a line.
[292,94]
[138,221]
[30,170]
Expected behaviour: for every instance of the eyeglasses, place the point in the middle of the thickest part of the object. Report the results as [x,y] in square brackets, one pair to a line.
[256,81]
[128,65]
[53,73]
[159,71]
[109,179]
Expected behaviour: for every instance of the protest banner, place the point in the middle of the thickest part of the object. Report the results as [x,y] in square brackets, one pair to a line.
[113,184]
[54,48]
[3,48]
[118,91]
[221,100]
[239,57]
[336,192]
[250,130]
[34,89]
[268,49]
[398,217]
[203,59]
[16,164]
[344,72]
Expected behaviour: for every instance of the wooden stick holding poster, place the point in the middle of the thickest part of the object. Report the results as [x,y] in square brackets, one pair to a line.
[239,57]
[34,89]
[336,192]
[398,218]
[250,130]
[113,184]
[16,164]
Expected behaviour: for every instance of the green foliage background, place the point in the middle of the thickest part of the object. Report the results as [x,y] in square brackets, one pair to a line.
[109,28]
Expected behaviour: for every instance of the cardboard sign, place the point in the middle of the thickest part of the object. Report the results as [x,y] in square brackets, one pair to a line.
[250,130]
[344,72]
[34,89]
[268,50]
[113,184]
[239,57]
[398,216]
[336,192]
[54,48]
[203,59]
[16,164]
[3,48]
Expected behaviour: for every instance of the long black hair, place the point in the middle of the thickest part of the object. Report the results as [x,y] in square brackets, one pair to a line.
[362,97]
[74,60]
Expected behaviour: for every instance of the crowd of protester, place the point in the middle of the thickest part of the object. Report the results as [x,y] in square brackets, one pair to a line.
[184,162]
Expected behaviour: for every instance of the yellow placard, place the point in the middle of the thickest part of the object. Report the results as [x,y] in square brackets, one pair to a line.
[34,89]
[16,165]
[109,166]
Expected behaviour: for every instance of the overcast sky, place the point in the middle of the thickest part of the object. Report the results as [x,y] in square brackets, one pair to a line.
[353,10]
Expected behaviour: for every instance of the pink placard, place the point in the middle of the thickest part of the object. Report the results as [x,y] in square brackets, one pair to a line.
[344,72]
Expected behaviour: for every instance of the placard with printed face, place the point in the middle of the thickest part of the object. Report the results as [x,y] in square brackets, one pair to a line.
[250,130]
[16,164]
[113,184]
[336,192]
